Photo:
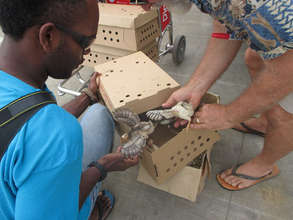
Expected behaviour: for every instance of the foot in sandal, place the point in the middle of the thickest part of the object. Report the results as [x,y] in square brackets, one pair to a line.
[246,175]
[103,206]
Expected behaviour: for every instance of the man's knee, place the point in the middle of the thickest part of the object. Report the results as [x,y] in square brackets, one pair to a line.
[98,115]
[277,117]
[253,61]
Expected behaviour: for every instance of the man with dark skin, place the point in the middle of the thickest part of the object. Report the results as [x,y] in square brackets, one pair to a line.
[41,169]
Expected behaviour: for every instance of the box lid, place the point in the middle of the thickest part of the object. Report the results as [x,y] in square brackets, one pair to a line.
[125,16]
[134,82]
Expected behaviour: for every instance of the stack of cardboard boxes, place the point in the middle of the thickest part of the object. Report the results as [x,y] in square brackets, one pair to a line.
[124,29]
[137,83]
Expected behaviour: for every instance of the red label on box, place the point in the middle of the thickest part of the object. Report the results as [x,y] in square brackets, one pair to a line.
[125,2]
[165,17]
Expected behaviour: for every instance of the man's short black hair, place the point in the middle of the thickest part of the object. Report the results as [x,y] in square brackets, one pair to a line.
[16,16]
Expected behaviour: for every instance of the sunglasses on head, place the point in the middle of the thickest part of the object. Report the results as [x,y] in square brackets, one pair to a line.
[82,40]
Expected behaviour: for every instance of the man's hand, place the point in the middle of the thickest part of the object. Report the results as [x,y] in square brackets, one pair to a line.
[212,116]
[186,93]
[116,161]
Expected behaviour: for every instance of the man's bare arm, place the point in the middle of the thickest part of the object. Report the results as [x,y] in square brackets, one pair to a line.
[219,54]
[78,105]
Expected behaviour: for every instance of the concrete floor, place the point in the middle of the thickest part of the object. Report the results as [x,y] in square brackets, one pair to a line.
[267,201]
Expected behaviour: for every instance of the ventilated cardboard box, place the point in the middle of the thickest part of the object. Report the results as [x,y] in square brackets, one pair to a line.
[102,54]
[186,183]
[127,27]
[137,83]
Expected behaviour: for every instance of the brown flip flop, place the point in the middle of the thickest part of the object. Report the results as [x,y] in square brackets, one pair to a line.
[249,130]
[275,171]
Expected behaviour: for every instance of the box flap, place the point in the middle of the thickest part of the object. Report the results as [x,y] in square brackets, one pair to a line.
[184,184]
[125,16]
[134,82]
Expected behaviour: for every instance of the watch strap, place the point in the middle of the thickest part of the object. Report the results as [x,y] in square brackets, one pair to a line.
[101,168]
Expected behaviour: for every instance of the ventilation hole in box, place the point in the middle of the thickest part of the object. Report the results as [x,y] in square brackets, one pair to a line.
[127,96]
[186,147]
[104,31]
[107,75]
[116,33]
[192,142]
[138,95]
[137,62]
[121,71]
[175,164]
[168,84]
[117,40]
[90,54]
[194,149]
[121,101]
[111,39]
[158,84]
[112,58]
[181,159]
[179,152]
[168,170]
[107,58]
[199,137]
[96,55]
[188,154]
[201,144]
[89,60]
[95,61]
[114,61]
[208,139]
[110,32]
[172,158]
[105,38]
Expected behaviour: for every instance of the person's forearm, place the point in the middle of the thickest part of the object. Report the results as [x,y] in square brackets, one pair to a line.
[272,84]
[77,106]
[218,56]
[89,179]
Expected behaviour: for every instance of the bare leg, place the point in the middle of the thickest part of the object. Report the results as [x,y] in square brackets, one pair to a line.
[254,64]
[278,143]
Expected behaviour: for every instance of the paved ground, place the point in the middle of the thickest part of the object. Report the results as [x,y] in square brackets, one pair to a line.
[271,200]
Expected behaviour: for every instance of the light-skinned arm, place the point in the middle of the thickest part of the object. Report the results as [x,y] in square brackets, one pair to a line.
[217,57]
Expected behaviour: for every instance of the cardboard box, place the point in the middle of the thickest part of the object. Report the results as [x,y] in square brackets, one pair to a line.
[134,82]
[187,183]
[102,54]
[127,27]
[137,83]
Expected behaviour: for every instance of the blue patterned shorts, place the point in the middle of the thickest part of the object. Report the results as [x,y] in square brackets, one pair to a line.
[266,25]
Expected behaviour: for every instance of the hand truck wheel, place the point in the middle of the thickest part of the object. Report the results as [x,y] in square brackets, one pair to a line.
[178,50]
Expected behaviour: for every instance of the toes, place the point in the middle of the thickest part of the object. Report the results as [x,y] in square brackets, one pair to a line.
[243,185]
[229,179]
[226,173]
[236,182]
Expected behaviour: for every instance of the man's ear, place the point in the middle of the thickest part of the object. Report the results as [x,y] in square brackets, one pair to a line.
[49,37]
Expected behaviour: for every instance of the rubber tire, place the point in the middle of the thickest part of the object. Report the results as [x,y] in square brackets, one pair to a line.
[178,50]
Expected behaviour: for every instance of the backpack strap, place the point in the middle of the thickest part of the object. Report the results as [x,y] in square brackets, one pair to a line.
[14,115]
